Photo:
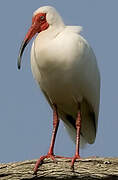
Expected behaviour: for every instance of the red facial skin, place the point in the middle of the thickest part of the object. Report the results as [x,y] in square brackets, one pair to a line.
[39,23]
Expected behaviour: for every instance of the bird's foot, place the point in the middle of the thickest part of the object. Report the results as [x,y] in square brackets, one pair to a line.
[73,161]
[53,157]
[40,161]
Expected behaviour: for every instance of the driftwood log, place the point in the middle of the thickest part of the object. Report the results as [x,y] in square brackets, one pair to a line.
[85,169]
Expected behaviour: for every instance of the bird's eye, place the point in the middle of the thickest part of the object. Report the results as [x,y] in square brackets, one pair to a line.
[42,18]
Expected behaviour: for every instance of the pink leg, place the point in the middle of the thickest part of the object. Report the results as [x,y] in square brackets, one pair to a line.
[78,127]
[50,153]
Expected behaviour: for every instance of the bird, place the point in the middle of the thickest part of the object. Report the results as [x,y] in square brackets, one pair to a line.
[65,67]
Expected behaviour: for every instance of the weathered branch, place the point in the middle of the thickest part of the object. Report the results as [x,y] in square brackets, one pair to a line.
[85,169]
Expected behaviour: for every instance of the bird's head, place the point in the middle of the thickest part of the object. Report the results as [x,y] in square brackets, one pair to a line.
[43,19]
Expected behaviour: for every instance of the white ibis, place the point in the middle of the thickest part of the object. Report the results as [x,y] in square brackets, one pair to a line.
[65,67]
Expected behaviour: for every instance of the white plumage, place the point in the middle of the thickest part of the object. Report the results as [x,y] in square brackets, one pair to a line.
[65,67]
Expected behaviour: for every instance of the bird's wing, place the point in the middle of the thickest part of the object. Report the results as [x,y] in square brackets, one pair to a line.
[91,94]
[88,78]
[88,122]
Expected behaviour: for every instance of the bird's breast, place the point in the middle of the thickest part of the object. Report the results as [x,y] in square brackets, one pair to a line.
[55,67]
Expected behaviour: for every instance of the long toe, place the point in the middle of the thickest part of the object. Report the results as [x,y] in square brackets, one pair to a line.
[40,161]
[73,160]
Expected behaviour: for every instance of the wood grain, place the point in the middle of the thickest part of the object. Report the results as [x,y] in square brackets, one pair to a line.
[85,169]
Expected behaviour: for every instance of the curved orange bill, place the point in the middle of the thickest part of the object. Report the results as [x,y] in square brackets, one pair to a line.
[32,31]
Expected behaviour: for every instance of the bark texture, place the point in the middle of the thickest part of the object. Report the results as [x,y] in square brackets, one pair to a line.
[85,169]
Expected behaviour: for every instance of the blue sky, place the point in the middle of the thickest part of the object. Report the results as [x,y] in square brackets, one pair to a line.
[25,116]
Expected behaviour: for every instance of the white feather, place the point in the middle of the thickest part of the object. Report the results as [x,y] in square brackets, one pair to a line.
[75,29]
[65,67]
